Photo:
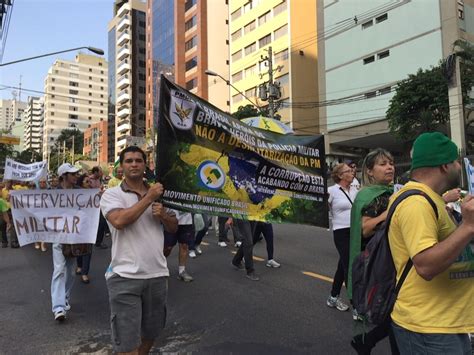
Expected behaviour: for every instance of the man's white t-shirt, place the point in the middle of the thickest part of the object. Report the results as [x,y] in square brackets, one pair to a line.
[137,249]
[341,206]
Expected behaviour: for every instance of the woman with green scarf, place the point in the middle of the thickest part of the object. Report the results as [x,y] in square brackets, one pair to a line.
[368,212]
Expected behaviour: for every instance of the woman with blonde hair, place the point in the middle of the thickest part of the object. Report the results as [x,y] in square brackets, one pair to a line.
[368,213]
[341,197]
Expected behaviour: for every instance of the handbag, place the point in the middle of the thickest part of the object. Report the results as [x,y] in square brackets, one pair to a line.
[73,250]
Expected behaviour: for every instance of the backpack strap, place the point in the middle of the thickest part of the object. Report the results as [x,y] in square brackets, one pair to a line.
[391,211]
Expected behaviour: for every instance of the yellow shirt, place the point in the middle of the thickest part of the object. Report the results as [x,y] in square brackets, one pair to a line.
[446,303]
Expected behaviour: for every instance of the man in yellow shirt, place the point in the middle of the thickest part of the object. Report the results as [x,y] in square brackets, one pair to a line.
[5,194]
[433,313]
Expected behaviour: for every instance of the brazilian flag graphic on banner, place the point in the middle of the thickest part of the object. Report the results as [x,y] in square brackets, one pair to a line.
[210,162]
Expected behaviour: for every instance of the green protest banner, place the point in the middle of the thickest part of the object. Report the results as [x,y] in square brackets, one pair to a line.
[210,162]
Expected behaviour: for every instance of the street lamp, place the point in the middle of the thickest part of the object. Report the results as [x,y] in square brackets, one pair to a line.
[92,49]
[213,73]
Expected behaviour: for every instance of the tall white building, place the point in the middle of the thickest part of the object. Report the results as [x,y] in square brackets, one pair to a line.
[33,124]
[127,48]
[368,47]
[76,96]
[10,110]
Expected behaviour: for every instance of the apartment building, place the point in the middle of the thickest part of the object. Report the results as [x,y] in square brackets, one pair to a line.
[289,28]
[10,110]
[368,47]
[96,142]
[184,39]
[127,55]
[76,96]
[33,124]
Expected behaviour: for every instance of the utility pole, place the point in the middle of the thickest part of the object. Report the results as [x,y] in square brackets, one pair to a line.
[270,92]
[73,149]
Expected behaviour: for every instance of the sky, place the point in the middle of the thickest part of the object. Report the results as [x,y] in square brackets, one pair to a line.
[43,26]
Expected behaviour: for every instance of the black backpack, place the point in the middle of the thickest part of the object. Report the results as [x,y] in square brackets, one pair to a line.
[374,286]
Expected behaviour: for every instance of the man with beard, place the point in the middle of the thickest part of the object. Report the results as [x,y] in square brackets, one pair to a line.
[433,312]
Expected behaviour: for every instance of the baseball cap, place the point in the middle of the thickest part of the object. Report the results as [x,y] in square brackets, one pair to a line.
[67,168]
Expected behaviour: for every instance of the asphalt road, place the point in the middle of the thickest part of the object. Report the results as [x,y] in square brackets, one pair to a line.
[220,312]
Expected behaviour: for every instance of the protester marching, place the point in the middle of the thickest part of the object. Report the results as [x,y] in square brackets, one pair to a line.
[210,164]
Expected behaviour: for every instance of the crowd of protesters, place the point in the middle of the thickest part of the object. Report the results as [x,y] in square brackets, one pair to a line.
[143,233]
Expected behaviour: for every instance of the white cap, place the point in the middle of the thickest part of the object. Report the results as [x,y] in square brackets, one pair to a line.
[67,168]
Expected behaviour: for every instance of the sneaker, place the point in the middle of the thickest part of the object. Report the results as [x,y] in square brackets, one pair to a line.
[37,245]
[222,244]
[184,276]
[356,316]
[252,276]
[67,307]
[60,316]
[335,302]
[272,263]
[239,266]
[238,244]
[192,254]
[198,250]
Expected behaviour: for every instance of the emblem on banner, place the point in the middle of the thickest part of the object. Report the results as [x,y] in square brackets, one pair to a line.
[211,175]
[181,110]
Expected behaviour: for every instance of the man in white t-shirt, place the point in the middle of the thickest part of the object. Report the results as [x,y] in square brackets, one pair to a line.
[137,278]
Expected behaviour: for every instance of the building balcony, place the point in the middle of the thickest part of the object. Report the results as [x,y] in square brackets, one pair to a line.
[123,128]
[123,112]
[124,23]
[123,10]
[123,67]
[123,53]
[123,96]
[123,38]
[123,82]
[121,143]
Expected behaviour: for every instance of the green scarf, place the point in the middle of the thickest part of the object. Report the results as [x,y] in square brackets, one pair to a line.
[364,197]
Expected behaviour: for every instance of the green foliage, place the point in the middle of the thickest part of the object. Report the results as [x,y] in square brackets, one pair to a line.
[66,136]
[28,156]
[420,104]
[246,111]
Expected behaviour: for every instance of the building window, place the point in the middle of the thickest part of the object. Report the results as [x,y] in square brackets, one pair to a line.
[367,24]
[250,71]
[189,4]
[141,64]
[90,70]
[236,14]
[383,54]
[72,108]
[74,92]
[264,18]
[236,56]
[461,9]
[141,38]
[90,86]
[73,117]
[100,64]
[236,35]
[279,8]
[281,32]
[381,18]
[250,92]
[191,84]
[369,59]
[250,48]
[281,56]
[248,6]
[370,95]
[74,67]
[385,90]
[191,63]
[249,27]
[262,42]
[73,75]
[190,23]
[190,44]
[237,76]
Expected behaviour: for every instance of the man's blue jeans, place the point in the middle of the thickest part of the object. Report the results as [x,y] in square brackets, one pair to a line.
[411,343]
[63,278]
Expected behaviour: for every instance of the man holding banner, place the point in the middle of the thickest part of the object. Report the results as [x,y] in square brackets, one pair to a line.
[137,278]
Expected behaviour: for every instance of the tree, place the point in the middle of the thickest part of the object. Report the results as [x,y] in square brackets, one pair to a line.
[420,104]
[65,138]
[29,156]
[251,111]
[465,51]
